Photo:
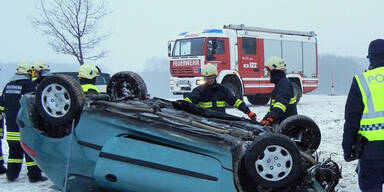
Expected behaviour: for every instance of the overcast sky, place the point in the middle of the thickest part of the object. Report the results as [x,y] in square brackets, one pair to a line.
[141,29]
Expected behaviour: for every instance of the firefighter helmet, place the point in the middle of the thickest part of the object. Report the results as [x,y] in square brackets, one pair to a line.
[24,68]
[209,70]
[275,63]
[88,71]
[40,66]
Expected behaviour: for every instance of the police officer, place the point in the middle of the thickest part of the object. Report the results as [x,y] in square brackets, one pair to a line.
[364,115]
[215,96]
[20,84]
[283,102]
[87,75]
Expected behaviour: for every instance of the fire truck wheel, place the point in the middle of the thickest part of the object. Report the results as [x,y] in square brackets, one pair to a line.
[59,99]
[126,84]
[297,91]
[234,89]
[303,131]
[258,99]
[273,161]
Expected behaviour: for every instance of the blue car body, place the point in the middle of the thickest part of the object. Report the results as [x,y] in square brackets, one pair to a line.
[114,154]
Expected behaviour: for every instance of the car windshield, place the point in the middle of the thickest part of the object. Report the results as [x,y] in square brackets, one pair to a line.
[188,47]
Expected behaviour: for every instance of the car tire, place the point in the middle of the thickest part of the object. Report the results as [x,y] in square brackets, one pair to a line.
[258,99]
[303,131]
[273,161]
[126,84]
[59,99]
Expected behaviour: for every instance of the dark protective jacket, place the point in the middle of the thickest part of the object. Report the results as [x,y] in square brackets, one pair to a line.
[10,97]
[283,103]
[215,97]
[354,108]
[2,120]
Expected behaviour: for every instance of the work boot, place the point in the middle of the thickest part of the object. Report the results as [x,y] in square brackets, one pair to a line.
[37,179]
[2,169]
[13,171]
[35,176]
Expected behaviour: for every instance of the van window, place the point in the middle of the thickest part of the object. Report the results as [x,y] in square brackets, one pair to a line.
[248,46]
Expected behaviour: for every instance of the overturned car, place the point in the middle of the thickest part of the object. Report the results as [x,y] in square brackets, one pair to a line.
[126,141]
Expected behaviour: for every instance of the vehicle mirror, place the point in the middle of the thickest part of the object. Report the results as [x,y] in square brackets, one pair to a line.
[169,49]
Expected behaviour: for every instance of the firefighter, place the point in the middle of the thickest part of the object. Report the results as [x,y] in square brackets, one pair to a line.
[20,84]
[215,96]
[283,102]
[2,168]
[364,116]
[87,75]
[39,71]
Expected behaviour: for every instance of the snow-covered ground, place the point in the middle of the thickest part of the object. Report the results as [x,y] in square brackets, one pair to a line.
[327,111]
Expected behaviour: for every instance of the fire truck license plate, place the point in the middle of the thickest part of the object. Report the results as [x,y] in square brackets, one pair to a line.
[184,82]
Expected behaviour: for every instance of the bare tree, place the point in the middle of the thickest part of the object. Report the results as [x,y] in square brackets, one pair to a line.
[73,26]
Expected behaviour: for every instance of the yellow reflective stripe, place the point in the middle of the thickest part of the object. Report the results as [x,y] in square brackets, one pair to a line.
[86,87]
[15,161]
[13,133]
[377,135]
[207,104]
[293,100]
[220,103]
[1,108]
[280,106]
[13,136]
[1,158]
[30,163]
[188,100]
[237,103]
[372,121]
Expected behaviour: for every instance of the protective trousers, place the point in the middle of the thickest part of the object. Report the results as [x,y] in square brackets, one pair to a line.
[371,175]
[15,160]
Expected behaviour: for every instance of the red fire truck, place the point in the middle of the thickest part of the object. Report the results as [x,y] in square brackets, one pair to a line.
[239,52]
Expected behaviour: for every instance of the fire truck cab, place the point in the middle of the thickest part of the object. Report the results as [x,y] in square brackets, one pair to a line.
[239,52]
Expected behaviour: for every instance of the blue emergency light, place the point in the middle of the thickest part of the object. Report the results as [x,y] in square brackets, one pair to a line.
[213,31]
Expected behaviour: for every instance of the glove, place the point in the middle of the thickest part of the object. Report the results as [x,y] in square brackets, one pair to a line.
[252,116]
[266,122]
[349,156]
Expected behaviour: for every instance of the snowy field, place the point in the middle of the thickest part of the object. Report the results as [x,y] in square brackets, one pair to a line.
[327,111]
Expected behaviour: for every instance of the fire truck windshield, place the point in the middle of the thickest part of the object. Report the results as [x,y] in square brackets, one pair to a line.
[188,47]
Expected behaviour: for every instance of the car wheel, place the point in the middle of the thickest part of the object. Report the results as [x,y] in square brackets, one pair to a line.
[59,99]
[303,131]
[126,84]
[258,99]
[273,161]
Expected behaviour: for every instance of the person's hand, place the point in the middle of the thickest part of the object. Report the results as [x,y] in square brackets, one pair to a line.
[252,116]
[267,122]
[349,156]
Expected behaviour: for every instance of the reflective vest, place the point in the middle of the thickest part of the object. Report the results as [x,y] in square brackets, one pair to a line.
[371,84]
[87,87]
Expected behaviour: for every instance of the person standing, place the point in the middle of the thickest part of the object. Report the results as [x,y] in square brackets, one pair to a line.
[212,95]
[20,84]
[2,168]
[87,75]
[364,116]
[283,102]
